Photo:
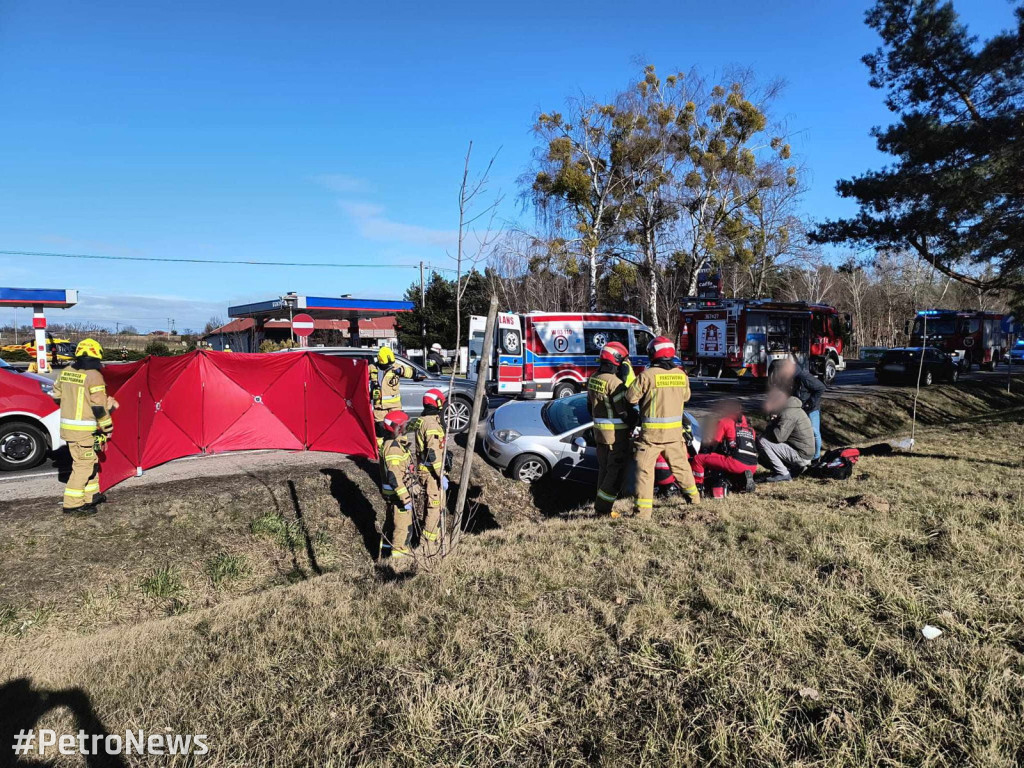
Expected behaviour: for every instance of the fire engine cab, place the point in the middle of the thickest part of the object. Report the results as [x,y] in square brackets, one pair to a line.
[971,337]
[552,354]
[734,340]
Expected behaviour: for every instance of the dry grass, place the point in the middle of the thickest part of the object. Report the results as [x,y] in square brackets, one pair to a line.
[782,629]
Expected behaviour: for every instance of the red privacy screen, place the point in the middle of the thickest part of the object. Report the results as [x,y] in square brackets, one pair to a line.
[211,402]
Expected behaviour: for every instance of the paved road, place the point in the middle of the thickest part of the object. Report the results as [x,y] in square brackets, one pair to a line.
[46,479]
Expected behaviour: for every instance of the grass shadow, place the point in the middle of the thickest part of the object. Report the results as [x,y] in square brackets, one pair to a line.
[353,504]
[22,707]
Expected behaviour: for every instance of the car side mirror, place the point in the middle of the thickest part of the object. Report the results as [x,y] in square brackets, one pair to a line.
[418,377]
[580,443]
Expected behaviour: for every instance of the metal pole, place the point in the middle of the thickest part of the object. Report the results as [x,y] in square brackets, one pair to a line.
[423,316]
[474,421]
[39,324]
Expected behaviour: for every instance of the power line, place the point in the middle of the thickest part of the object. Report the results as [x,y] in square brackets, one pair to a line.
[243,262]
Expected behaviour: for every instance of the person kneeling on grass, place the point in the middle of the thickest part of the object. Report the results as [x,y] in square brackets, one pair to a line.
[787,444]
[732,450]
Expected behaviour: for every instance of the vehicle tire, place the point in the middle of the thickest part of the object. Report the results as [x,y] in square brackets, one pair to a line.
[22,446]
[830,372]
[528,468]
[990,366]
[564,389]
[457,414]
[954,376]
[927,378]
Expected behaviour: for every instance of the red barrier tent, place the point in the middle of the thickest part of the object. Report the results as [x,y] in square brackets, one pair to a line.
[212,402]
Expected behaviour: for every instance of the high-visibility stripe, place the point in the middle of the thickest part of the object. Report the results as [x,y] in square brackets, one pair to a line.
[645,503]
[98,388]
[73,493]
[660,424]
[92,487]
[78,428]
[106,421]
[79,401]
[437,432]
[429,536]
[79,422]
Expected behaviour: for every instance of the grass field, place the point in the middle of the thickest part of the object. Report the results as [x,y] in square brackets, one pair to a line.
[780,629]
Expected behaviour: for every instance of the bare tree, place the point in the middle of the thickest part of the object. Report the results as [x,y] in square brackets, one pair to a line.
[477,235]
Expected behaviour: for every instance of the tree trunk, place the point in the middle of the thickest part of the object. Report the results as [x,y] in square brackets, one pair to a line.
[592,259]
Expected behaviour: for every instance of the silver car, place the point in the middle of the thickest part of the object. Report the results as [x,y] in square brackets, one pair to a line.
[531,439]
[459,407]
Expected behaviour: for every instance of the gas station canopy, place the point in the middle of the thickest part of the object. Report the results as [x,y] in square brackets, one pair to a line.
[320,307]
[55,298]
[39,299]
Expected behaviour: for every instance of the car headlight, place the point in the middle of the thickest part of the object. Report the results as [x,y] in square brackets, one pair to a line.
[507,435]
[47,388]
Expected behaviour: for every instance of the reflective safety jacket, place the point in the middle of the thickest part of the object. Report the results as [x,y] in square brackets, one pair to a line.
[396,458]
[384,387]
[606,401]
[82,394]
[661,394]
[430,444]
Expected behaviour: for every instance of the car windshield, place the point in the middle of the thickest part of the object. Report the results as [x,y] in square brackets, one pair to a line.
[566,414]
[936,326]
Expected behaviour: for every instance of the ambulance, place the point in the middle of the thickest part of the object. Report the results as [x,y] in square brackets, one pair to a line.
[540,355]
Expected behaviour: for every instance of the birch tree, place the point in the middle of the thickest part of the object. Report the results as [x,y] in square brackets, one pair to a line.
[573,188]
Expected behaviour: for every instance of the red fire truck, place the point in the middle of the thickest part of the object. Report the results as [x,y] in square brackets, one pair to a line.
[735,340]
[971,337]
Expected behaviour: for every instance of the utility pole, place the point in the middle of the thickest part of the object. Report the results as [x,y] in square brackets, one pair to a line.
[423,315]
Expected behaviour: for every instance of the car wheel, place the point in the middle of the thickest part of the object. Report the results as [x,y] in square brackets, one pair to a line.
[564,389]
[528,468]
[457,415]
[830,372]
[926,378]
[954,375]
[22,446]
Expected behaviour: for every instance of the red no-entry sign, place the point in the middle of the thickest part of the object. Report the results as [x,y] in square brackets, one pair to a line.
[302,325]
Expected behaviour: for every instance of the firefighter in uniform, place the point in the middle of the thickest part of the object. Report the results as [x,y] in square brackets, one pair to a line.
[396,461]
[430,437]
[613,421]
[660,391]
[85,425]
[385,379]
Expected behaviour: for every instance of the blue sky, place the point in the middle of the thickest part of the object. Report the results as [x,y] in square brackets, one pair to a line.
[331,131]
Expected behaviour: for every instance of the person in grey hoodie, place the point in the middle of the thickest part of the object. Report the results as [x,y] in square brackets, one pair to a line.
[787,444]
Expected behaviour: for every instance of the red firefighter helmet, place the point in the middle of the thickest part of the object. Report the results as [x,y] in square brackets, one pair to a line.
[661,348]
[395,422]
[613,352]
[434,397]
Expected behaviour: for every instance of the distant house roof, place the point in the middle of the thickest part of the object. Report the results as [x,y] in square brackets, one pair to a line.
[245,324]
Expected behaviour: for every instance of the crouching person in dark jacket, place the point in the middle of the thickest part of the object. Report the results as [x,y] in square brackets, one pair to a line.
[787,444]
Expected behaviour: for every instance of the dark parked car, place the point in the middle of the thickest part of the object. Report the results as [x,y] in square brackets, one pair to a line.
[902,365]
[459,408]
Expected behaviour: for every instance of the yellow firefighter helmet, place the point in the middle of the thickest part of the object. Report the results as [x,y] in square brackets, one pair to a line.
[385,356]
[89,348]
